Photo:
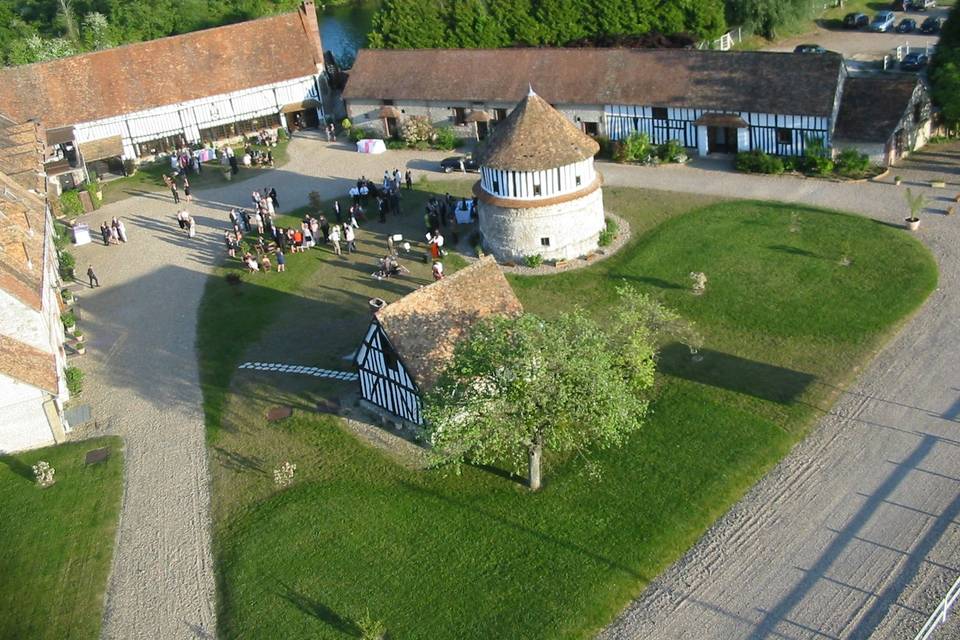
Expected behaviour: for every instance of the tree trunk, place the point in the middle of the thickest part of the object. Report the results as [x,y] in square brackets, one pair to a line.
[535,453]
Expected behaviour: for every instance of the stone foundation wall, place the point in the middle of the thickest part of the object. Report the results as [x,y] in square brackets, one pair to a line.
[572,227]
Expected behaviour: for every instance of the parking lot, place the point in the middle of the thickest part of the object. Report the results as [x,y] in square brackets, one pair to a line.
[862,45]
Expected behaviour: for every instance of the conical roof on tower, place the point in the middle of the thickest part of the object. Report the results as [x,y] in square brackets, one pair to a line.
[535,137]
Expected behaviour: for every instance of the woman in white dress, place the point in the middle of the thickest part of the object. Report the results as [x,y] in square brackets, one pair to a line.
[193,227]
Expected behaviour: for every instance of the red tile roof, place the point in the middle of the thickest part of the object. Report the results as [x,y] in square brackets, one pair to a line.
[425,325]
[28,364]
[755,81]
[150,74]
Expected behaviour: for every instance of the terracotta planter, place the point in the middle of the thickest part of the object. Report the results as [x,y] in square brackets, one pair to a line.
[912,223]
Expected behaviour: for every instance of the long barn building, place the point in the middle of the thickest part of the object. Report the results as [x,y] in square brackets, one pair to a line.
[710,101]
[140,99]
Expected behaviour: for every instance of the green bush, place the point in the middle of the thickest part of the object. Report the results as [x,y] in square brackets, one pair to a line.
[852,163]
[92,188]
[672,151]
[130,167]
[609,233]
[74,378]
[758,162]
[445,139]
[634,148]
[60,237]
[68,319]
[67,295]
[396,144]
[67,263]
[282,135]
[533,261]
[359,133]
[70,204]
[345,124]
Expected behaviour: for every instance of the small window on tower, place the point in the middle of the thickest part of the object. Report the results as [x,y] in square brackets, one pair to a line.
[496,186]
[578,181]
[784,136]
[544,242]
[536,189]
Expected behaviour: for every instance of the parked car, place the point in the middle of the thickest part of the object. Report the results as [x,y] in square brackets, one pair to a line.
[907,25]
[882,22]
[855,20]
[923,5]
[900,5]
[809,48]
[451,164]
[931,25]
[914,61]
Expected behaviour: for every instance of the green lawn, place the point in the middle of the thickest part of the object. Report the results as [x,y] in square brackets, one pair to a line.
[57,542]
[149,177]
[476,555]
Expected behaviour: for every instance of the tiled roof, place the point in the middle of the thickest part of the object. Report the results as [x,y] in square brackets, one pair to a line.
[22,213]
[424,325]
[150,74]
[536,136]
[28,364]
[871,107]
[756,81]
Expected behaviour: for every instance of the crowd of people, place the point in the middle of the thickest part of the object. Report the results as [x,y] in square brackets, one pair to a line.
[113,233]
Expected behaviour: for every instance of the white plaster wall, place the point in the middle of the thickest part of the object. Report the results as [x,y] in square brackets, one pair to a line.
[743,139]
[514,233]
[22,323]
[23,424]
[702,141]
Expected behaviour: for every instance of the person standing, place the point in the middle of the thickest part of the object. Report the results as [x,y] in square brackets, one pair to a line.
[382,208]
[409,179]
[273,196]
[105,232]
[325,229]
[350,237]
[174,192]
[336,211]
[186,190]
[335,239]
[192,226]
[92,277]
[281,261]
[122,230]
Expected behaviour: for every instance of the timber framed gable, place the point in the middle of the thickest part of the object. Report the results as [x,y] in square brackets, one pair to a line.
[385,380]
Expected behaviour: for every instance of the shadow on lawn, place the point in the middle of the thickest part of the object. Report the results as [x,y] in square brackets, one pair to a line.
[726,371]
[13,463]
[794,251]
[314,608]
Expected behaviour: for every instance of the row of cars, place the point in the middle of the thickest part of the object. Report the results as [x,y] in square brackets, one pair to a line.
[914,61]
[885,21]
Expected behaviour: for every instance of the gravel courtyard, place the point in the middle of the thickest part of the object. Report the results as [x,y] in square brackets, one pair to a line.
[853,535]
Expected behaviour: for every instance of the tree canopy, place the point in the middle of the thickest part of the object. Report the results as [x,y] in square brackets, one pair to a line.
[502,23]
[519,386]
[945,70]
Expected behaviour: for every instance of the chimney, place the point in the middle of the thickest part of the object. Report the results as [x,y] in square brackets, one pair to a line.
[308,17]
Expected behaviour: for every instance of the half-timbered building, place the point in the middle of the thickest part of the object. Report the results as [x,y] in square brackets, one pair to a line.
[150,97]
[710,101]
[410,341]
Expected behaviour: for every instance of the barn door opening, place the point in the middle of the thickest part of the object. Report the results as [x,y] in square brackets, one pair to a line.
[721,140]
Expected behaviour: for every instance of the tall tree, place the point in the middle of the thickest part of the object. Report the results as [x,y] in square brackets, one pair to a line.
[472,26]
[412,24]
[565,20]
[517,17]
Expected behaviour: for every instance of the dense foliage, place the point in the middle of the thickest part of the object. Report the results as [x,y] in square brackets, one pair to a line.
[849,163]
[35,30]
[945,70]
[766,17]
[502,23]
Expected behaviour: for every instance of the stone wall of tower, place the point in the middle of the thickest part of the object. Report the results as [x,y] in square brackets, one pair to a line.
[572,229]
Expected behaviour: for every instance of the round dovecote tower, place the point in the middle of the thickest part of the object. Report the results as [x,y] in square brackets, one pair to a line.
[538,192]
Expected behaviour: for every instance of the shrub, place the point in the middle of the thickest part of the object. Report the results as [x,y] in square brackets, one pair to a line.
[74,377]
[671,151]
[758,162]
[533,261]
[67,295]
[359,133]
[609,233]
[345,124]
[68,319]
[282,134]
[417,129]
[60,237]
[396,144]
[67,264]
[130,167]
[70,204]
[851,162]
[634,148]
[816,160]
[92,188]
[445,139]
[43,474]
[606,147]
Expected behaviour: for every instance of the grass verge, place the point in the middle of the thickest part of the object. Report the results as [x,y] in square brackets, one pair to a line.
[58,541]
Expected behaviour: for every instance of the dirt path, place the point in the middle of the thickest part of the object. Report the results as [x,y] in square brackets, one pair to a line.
[854,534]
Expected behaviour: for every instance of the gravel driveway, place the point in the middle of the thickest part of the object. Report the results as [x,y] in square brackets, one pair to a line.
[854,534]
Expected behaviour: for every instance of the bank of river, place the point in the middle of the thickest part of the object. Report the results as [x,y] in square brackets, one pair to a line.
[344,28]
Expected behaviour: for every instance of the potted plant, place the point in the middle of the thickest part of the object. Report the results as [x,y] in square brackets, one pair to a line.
[897,180]
[78,335]
[67,296]
[80,348]
[916,204]
[69,320]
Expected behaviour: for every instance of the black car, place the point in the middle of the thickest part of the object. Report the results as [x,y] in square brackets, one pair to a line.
[923,5]
[809,48]
[855,20]
[931,25]
[459,163]
[906,25]
[914,61]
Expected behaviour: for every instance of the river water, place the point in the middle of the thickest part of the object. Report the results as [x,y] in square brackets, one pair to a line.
[344,28]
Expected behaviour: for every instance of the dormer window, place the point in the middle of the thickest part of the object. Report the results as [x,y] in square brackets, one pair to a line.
[536,190]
